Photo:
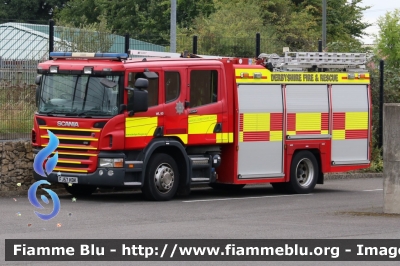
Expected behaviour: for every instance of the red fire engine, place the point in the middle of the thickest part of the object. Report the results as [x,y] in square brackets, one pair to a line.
[164,122]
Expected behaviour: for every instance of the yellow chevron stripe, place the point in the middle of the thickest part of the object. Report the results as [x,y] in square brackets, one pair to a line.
[71,162]
[73,147]
[69,170]
[70,129]
[201,124]
[140,126]
[72,138]
[308,121]
[356,120]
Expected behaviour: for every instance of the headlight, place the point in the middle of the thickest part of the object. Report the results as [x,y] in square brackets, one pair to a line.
[108,162]
[53,69]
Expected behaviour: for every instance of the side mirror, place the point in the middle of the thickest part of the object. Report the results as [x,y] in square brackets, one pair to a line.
[122,108]
[37,96]
[38,79]
[138,102]
[141,83]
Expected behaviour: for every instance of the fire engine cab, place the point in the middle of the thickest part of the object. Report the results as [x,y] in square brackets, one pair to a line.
[164,122]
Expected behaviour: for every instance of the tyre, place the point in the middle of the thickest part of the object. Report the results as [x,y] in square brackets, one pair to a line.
[227,187]
[303,173]
[162,178]
[80,190]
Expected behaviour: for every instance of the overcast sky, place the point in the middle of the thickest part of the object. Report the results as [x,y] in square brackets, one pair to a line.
[378,9]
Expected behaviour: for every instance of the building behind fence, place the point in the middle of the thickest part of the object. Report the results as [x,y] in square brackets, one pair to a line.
[24,45]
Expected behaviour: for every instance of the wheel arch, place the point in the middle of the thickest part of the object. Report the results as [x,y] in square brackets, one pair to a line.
[317,155]
[173,148]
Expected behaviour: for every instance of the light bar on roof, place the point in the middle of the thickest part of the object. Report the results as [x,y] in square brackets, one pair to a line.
[154,54]
[89,55]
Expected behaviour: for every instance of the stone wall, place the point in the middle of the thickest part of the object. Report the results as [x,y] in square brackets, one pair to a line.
[16,168]
[16,164]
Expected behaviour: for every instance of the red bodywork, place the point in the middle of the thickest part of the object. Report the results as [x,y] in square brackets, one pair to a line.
[227,114]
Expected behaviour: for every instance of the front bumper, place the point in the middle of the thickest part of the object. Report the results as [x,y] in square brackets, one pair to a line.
[120,178]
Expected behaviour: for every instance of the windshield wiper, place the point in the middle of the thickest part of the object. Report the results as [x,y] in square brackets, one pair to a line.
[50,113]
[92,112]
[72,113]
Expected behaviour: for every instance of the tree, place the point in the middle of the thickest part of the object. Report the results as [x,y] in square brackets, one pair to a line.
[354,46]
[29,10]
[294,28]
[388,46]
[144,19]
[344,18]
[223,33]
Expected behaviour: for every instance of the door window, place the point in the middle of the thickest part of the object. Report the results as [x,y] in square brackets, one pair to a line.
[203,87]
[152,89]
[172,86]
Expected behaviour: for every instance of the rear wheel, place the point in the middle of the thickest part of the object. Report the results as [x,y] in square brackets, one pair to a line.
[162,178]
[303,173]
[80,190]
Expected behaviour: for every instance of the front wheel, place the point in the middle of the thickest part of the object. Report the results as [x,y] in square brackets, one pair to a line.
[162,178]
[303,173]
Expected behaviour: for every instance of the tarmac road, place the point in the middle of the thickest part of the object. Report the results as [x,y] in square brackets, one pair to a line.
[338,209]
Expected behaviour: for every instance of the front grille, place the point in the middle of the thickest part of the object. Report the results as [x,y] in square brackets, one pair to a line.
[70,132]
[80,166]
[73,156]
[80,151]
[82,156]
[74,142]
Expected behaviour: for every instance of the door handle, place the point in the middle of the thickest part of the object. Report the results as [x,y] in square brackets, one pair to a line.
[193,111]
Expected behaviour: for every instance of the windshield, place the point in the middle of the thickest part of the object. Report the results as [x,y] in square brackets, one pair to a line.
[73,95]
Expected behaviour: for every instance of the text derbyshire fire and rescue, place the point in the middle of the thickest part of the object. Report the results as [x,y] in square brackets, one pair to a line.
[305,77]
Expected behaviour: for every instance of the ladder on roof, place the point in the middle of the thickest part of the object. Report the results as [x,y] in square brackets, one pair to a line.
[298,61]
[143,53]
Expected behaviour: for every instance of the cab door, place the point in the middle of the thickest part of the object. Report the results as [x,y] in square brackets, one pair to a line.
[204,95]
[174,97]
[141,128]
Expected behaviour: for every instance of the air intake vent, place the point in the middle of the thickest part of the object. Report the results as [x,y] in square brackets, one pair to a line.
[99,124]
[41,122]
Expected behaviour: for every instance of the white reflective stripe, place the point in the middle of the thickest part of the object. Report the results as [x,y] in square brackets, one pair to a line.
[132,183]
[199,179]
[309,137]
[83,55]
[168,54]
[261,176]
[133,162]
[155,54]
[350,162]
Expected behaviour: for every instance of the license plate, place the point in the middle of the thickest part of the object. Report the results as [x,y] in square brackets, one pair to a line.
[64,179]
